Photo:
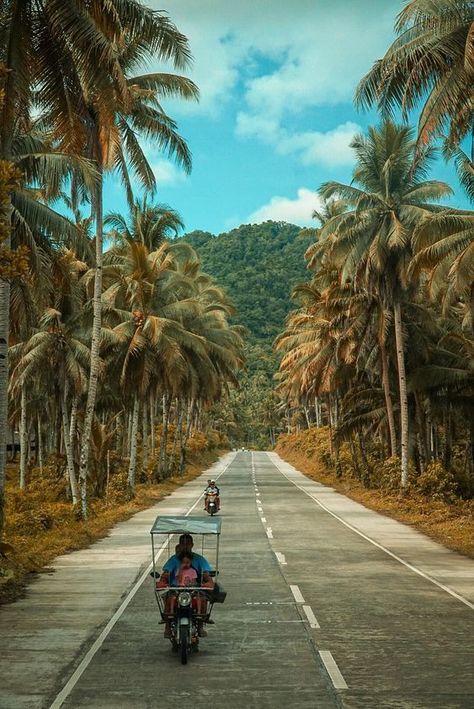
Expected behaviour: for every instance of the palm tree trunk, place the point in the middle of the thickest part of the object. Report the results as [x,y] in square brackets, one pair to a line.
[402,385]
[152,425]
[4,335]
[23,437]
[133,447]
[164,436]
[178,431]
[69,448]
[145,435]
[95,344]
[184,442]
[388,400]
[73,425]
[39,443]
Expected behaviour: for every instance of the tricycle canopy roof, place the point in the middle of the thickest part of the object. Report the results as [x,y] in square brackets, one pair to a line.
[165,524]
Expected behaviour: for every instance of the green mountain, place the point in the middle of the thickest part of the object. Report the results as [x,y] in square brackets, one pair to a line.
[258,264]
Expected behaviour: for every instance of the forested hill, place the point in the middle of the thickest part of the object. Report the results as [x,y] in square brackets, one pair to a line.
[258,264]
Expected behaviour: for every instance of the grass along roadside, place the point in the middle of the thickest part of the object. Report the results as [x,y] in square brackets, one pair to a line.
[41,527]
[451,524]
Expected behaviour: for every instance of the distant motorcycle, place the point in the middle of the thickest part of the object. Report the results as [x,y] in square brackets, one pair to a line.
[212,503]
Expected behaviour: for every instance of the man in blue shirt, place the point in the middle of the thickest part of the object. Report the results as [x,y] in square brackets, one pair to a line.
[199,563]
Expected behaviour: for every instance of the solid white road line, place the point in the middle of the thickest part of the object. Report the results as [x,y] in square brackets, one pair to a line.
[269,533]
[88,657]
[415,569]
[332,669]
[281,558]
[297,595]
[313,623]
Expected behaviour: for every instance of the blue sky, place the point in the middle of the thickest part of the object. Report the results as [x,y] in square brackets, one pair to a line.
[275,117]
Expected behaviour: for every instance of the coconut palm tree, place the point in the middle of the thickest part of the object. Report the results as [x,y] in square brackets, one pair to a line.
[444,248]
[149,224]
[431,62]
[113,146]
[372,243]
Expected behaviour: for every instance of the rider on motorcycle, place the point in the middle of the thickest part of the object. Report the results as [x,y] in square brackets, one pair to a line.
[169,578]
[212,489]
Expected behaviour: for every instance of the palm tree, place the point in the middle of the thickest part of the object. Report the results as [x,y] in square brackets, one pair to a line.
[149,224]
[373,242]
[431,61]
[113,146]
[444,248]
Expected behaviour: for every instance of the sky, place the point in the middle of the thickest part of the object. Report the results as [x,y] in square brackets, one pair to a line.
[275,116]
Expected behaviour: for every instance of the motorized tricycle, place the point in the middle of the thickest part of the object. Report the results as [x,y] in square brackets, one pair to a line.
[185,609]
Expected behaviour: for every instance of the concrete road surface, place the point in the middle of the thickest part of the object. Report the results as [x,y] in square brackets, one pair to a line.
[329,605]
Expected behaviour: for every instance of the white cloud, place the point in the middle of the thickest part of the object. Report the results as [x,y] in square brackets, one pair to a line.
[312,147]
[166,172]
[285,56]
[296,211]
[330,148]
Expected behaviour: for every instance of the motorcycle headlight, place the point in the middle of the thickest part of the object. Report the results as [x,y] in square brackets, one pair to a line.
[184,599]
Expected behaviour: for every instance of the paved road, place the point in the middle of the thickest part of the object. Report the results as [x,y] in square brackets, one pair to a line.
[316,616]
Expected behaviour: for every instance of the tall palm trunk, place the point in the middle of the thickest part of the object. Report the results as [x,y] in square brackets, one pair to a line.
[133,447]
[388,400]
[73,424]
[4,333]
[402,384]
[152,424]
[95,344]
[178,431]
[39,443]
[162,467]
[23,437]
[69,448]
[145,435]
[184,441]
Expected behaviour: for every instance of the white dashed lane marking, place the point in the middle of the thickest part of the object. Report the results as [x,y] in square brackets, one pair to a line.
[313,623]
[333,670]
[297,595]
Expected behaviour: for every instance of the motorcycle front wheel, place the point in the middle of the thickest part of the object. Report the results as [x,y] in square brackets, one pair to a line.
[183,642]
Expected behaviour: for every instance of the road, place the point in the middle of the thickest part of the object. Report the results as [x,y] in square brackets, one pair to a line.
[391,636]
[316,616]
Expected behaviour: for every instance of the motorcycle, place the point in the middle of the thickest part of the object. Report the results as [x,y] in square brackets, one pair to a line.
[186,609]
[212,503]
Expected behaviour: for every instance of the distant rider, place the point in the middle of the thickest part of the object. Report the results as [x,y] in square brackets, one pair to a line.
[212,489]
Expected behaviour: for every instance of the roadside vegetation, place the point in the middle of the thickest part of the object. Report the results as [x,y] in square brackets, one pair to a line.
[377,369]
[41,523]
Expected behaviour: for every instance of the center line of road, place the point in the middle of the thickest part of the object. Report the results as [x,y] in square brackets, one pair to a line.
[297,595]
[332,669]
[313,623]
[281,558]
[269,533]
